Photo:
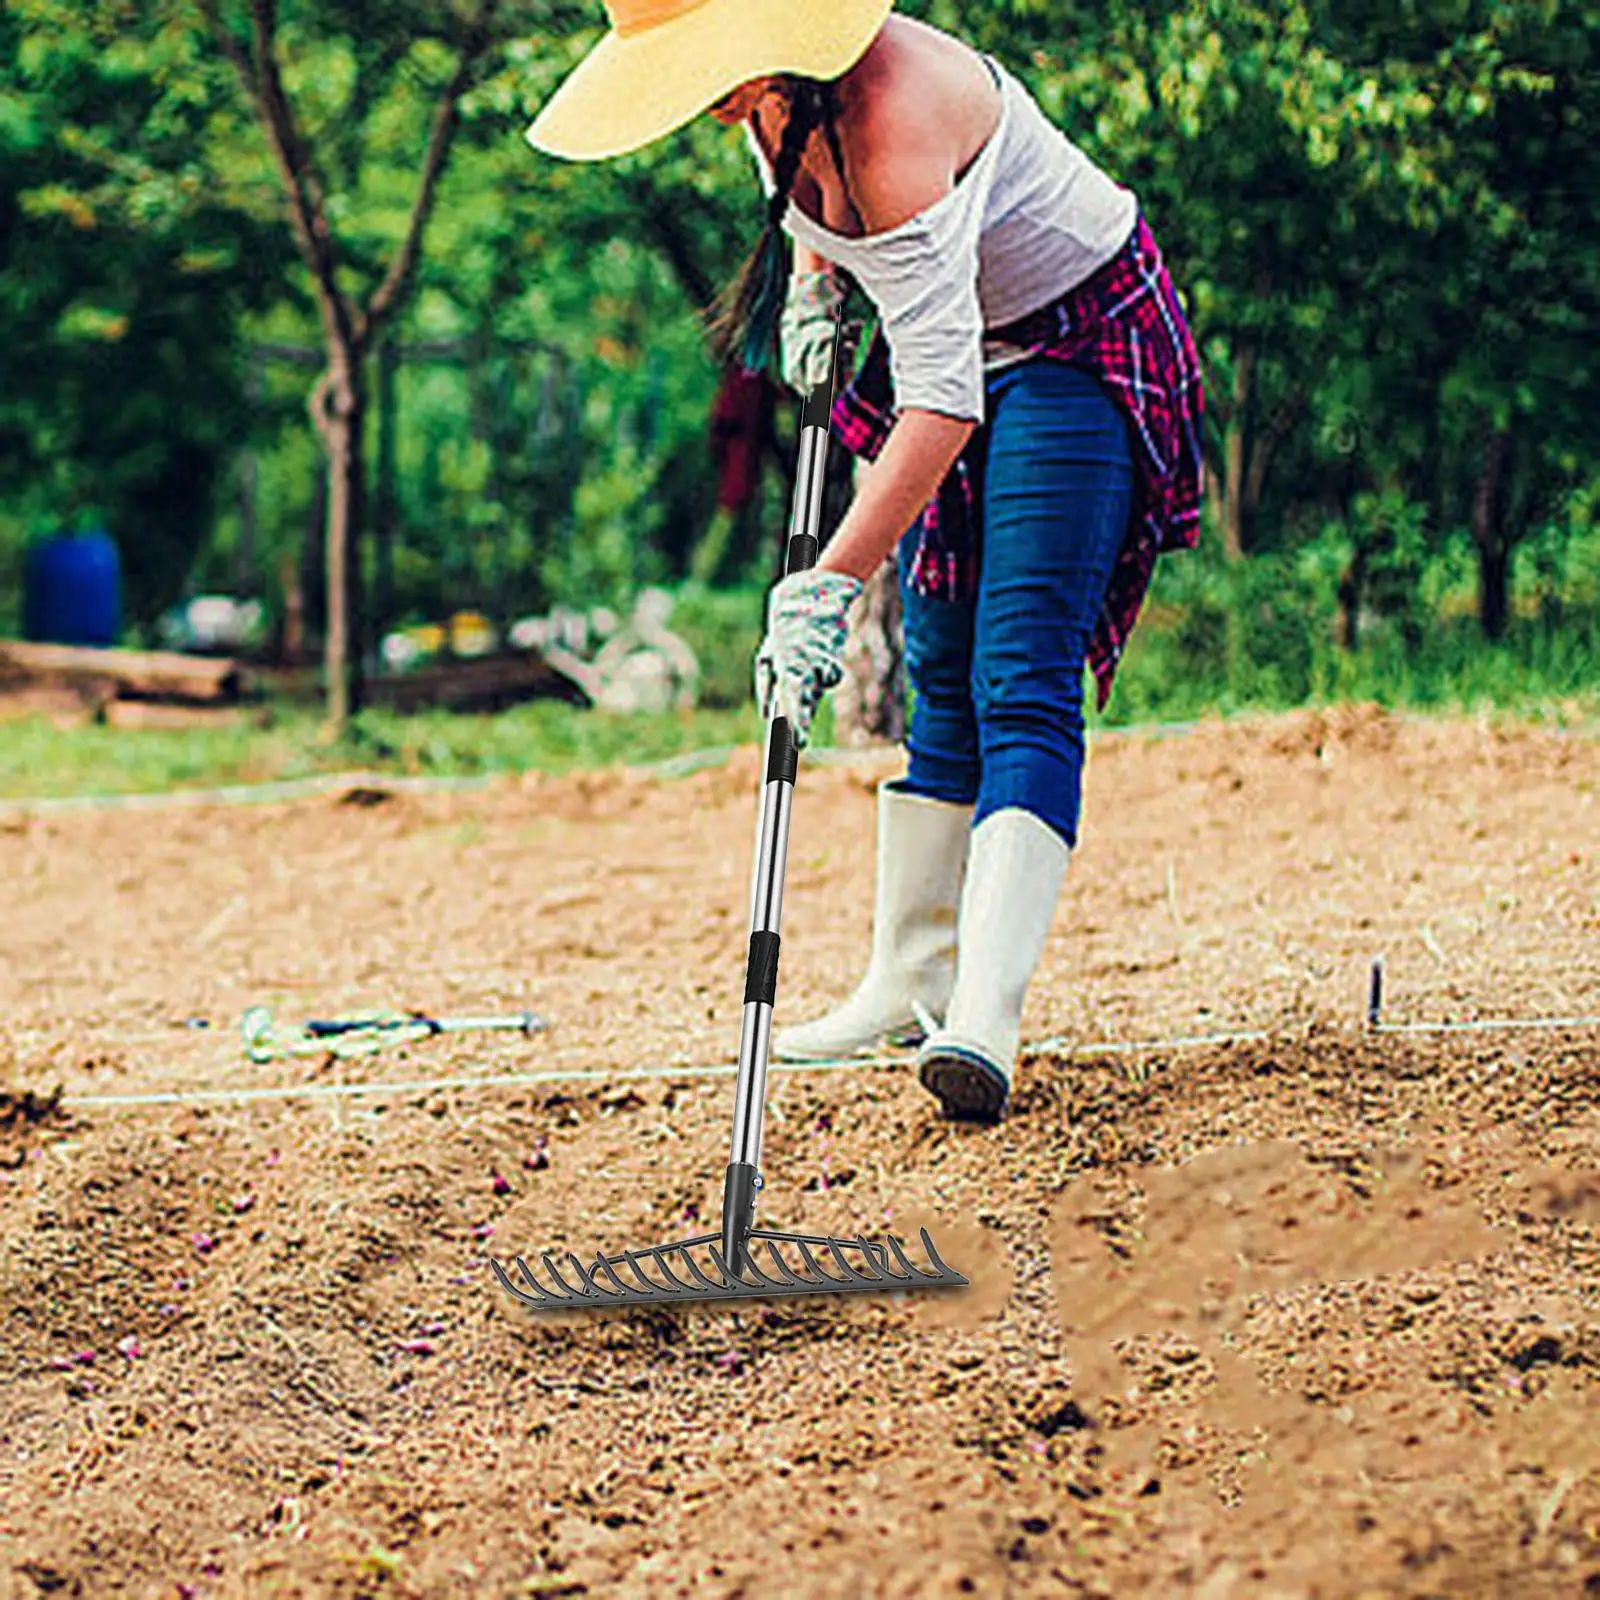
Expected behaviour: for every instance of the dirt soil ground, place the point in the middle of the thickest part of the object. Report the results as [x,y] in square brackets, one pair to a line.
[1310,1314]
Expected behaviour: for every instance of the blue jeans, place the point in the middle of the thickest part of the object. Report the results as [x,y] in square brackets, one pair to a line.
[997,719]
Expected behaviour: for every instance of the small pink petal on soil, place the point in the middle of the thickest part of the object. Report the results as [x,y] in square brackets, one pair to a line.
[129,1347]
[501,1186]
[417,1347]
[203,1243]
[243,1203]
[537,1162]
[483,1230]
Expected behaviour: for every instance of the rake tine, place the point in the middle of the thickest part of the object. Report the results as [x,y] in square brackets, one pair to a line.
[547,1295]
[895,1260]
[876,1252]
[766,1282]
[913,1273]
[799,1280]
[851,1275]
[677,1283]
[567,1291]
[591,1289]
[933,1256]
[878,1270]
[699,1276]
[560,1295]
[817,1274]
[781,1264]
[601,1264]
[646,1284]
[538,1299]
[732,1279]
[650,1284]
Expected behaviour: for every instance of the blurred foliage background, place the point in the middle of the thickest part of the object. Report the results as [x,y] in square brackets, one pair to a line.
[1382,215]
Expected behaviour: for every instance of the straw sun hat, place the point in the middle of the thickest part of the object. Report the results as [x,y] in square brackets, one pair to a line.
[665,61]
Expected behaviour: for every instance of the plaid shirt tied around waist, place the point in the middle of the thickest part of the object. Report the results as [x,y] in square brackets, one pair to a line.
[1126,326]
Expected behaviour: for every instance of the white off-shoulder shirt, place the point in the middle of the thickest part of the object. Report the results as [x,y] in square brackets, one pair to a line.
[1030,219]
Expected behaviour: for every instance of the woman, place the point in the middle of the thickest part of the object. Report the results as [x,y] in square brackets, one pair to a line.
[1031,407]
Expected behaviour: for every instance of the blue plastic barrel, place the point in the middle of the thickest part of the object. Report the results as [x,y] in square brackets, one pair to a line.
[72,589]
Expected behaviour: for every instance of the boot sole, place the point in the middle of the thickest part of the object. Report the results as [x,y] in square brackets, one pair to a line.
[968,1088]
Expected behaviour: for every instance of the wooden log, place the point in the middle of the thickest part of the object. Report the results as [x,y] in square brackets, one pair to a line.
[152,714]
[122,674]
[486,685]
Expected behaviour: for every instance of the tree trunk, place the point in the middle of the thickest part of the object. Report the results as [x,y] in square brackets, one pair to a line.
[385,508]
[291,636]
[339,410]
[246,580]
[313,566]
[1235,456]
[870,703]
[1351,584]
[1494,586]
[1489,534]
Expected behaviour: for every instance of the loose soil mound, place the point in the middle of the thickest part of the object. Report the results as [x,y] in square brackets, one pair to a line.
[1310,1314]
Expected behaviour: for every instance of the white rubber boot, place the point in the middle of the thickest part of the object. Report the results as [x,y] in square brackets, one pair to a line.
[1014,873]
[922,850]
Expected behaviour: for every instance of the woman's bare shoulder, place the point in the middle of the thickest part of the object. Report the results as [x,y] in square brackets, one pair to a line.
[920,109]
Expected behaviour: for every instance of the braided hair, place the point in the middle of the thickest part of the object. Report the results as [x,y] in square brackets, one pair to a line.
[748,313]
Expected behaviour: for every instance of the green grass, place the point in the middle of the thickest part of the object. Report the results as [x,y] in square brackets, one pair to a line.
[1533,676]
[1207,647]
[39,761]
[1220,641]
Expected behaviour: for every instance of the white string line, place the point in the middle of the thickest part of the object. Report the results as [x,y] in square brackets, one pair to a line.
[522,1080]
[1506,1025]
[518,1080]
[1065,1046]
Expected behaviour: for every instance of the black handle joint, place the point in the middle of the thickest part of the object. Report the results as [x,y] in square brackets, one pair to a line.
[761,974]
[818,409]
[804,548]
[738,1214]
[783,754]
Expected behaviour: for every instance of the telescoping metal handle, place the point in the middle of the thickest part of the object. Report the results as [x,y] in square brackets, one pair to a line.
[772,849]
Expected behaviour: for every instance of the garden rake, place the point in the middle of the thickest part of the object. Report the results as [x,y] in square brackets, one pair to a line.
[742,1261]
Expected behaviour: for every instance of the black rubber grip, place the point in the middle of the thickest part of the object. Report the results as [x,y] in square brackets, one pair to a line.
[761,975]
[783,754]
[804,549]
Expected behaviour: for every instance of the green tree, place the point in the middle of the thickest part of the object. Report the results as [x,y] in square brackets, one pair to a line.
[337,120]
[119,391]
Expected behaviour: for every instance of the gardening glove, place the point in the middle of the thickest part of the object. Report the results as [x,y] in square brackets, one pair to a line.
[802,656]
[806,328]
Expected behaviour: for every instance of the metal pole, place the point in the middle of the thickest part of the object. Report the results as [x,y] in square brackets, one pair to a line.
[743,1179]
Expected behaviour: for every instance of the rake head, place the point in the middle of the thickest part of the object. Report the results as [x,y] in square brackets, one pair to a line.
[696,1270]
